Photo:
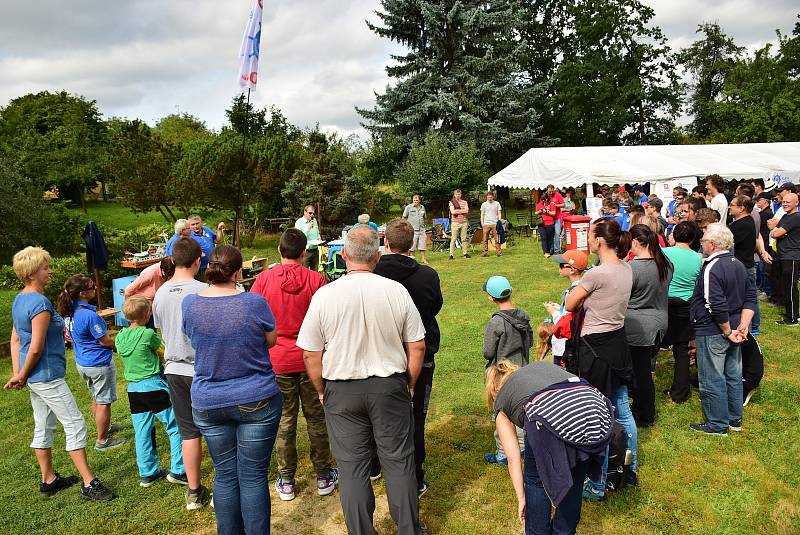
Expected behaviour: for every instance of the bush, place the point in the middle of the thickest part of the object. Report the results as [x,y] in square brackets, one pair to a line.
[439,165]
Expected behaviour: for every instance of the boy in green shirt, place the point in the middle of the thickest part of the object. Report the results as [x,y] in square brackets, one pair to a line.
[148,394]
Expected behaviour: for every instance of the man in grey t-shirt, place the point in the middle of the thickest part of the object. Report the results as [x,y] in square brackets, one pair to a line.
[491,213]
[179,356]
[415,214]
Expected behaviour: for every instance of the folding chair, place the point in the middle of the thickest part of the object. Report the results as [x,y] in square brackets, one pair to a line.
[522,225]
[335,266]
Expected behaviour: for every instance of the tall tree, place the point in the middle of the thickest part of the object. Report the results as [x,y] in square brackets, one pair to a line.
[460,75]
[325,178]
[59,139]
[708,61]
[616,81]
[139,163]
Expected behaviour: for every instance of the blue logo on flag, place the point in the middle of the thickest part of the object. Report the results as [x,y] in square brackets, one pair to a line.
[256,42]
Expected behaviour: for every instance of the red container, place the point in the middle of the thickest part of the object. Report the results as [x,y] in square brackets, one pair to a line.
[576,229]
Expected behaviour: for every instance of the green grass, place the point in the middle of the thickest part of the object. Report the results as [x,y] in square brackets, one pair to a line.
[116,215]
[689,484]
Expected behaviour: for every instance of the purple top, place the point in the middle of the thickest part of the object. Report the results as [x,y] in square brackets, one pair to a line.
[232,365]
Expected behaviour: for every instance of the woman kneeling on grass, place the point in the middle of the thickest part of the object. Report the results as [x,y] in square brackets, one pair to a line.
[560,448]
[38,361]
[236,403]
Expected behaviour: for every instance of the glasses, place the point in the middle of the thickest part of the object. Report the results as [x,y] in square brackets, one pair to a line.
[562,266]
[309,213]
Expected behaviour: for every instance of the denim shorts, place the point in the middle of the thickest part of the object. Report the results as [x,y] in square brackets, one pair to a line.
[102,382]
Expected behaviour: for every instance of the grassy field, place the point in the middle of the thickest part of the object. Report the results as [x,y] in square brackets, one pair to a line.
[689,484]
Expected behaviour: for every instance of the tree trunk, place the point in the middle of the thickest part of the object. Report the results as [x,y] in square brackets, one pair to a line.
[167,219]
[103,191]
[166,207]
[82,196]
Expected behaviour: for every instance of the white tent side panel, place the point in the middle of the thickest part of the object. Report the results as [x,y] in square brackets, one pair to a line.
[576,166]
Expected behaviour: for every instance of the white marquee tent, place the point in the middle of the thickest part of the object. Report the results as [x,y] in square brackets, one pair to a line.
[577,166]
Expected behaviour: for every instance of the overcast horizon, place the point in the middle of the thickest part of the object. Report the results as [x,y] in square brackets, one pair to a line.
[147,59]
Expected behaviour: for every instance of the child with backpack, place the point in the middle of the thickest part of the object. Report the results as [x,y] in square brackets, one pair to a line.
[508,336]
[148,394]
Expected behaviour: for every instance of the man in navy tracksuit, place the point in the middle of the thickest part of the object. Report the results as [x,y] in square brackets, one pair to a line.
[721,309]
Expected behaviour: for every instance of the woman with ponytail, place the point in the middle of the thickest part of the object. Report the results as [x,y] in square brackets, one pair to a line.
[647,317]
[93,355]
[603,356]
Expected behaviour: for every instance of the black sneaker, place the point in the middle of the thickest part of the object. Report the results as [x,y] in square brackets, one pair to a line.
[703,428]
[786,322]
[735,425]
[177,479]
[96,492]
[632,479]
[466,256]
[451,257]
[59,483]
[423,488]
[149,480]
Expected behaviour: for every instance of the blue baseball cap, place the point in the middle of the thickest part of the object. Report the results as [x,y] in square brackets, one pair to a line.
[498,287]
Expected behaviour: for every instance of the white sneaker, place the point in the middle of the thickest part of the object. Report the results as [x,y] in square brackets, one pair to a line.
[326,484]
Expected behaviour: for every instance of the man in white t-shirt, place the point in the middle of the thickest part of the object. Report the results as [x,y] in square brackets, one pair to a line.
[491,213]
[364,345]
[715,186]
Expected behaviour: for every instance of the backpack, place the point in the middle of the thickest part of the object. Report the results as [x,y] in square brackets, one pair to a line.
[619,463]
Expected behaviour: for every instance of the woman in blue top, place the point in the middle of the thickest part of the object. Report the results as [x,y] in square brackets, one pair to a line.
[38,361]
[93,356]
[236,402]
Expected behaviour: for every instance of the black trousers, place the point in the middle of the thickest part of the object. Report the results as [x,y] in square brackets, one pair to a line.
[775,280]
[752,365]
[790,272]
[644,391]
[364,416]
[679,333]
[420,401]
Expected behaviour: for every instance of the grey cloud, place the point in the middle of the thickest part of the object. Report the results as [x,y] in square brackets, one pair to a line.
[149,58]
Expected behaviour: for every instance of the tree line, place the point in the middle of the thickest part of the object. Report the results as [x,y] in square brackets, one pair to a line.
[479,84]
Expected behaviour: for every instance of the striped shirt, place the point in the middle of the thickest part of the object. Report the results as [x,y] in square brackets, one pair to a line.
[576,413]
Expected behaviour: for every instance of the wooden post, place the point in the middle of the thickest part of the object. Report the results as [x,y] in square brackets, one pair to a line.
[98,283]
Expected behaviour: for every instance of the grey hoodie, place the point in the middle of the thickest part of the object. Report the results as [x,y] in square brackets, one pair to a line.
[508,335]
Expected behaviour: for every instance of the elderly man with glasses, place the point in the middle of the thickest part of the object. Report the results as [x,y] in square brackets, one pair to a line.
[309,226]
[721,308]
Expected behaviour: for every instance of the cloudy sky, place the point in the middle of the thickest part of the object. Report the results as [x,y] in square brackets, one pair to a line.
[149,58]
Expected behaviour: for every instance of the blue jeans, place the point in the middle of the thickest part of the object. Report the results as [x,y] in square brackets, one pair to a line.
[719,370]
[762,278]
[240,440]
[537,504]
[622,414]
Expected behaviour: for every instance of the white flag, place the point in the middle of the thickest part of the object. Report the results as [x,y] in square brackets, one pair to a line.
[249,51]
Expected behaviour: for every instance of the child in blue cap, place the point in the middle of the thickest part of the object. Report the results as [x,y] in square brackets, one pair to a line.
[507,336]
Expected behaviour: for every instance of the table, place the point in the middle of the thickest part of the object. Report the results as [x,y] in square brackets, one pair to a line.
[130,264]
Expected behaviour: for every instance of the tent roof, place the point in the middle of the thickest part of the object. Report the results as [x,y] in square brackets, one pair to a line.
[576,166]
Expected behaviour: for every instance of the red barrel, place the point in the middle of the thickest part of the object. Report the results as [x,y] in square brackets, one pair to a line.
[576,228]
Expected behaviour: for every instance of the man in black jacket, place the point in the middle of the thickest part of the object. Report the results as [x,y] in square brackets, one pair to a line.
[721,308]
[422,283]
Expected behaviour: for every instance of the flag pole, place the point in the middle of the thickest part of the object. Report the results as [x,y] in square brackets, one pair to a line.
[237,238]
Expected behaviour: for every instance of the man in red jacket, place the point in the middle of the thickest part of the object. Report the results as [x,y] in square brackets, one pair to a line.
[288,289]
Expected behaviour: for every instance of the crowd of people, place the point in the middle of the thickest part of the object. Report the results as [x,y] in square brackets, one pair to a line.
[358,355]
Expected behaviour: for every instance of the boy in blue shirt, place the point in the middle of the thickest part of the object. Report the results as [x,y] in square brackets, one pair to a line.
[148,394]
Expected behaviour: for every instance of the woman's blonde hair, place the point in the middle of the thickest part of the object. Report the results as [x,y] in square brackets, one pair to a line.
[496,377]
[28,261]
[544,332]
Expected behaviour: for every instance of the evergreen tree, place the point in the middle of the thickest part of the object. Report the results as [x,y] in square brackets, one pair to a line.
[460,75]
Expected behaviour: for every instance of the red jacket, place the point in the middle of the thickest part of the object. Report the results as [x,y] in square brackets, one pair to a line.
[288,290]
